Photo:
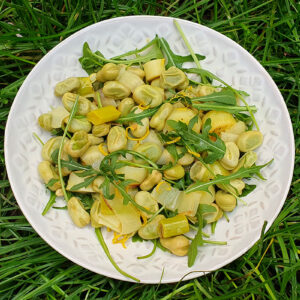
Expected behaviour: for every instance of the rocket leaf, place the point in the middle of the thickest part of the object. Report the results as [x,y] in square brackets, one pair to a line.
[93,61]
[226,96]
[174,59]
[133,117]
[196,142]
[220,179]
[198,240]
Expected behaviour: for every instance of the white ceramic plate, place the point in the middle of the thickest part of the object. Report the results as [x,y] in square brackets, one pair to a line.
[112,37]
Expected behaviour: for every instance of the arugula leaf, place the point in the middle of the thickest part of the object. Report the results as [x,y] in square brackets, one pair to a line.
[183,183]
[92,62]
[172,150]
[132,117]
[225,96]
[193,122]
[124,152]
[240,94]
[186,101]
[86,200]
[49,203]
[71,164]
[136,238]
[87,173]
[246,119]
[174,59]
[51,182]
[222,107]
[220,179]
[106,189]
[154,53]
[127,198]
[198,239]
[83,184]
[196,142]
[248,189]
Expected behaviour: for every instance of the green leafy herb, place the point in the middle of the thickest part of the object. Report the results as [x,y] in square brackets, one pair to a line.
[186,101]
[127,198]
[106,251]
[245,118]
[174,59]
[57,132]
[88,173]
[86,200]
[198,240]
[70,164]
[92,62]
[221,107]
[49,203]
[220,179]
[196,142]
[184,182]
[249,188]
[106,189]
[136,238]
[173,151]
[226,96]
[212,76]
[83,184]
[108,169]
[72,114]
[133,117]
[51,182]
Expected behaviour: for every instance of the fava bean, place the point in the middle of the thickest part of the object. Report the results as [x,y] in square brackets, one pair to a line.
[67,85]
[116,139]
[249,140]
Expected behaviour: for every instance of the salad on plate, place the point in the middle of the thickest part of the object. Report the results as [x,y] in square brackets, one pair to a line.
[150,149]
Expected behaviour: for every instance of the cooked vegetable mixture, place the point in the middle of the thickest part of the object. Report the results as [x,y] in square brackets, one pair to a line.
[144,151]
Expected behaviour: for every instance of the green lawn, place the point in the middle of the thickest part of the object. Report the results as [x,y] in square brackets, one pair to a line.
[30,269]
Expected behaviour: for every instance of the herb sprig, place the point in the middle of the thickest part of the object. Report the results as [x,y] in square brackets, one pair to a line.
[196,142]
[93,61]
[72,114]
[220,179]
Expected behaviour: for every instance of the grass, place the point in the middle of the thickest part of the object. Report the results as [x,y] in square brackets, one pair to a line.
[30,269]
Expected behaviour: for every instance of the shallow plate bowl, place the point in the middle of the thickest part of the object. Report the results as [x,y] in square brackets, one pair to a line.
[226,59]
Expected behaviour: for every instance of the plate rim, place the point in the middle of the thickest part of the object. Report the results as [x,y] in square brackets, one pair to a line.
[115,274]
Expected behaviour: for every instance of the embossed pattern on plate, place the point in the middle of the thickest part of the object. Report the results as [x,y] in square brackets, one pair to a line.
[223,57]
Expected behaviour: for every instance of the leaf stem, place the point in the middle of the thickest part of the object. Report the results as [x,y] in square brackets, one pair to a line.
[214,242]
[190,49]
[72,114]
[227,108]
[187,44]
[38,138]
[106,251]
[151,253]
[49,203]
